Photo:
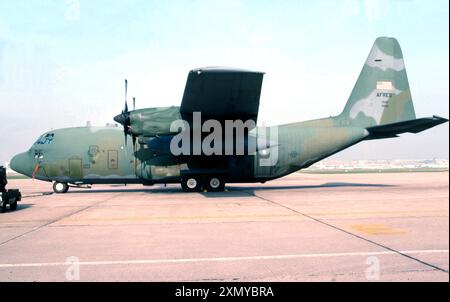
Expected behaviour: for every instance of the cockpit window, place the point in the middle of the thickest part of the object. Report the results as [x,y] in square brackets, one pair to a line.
[45,139]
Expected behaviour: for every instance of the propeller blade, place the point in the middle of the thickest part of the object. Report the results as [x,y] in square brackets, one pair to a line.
[134,153]
[126,97]
[124,117]
[126,89]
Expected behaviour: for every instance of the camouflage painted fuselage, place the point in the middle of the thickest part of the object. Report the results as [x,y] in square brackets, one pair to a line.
[93,155]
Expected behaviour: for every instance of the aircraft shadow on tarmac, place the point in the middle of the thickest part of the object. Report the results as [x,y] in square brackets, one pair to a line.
[231,190]
[237,191]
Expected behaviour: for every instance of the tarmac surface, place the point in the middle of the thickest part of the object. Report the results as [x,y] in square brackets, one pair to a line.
[303,227]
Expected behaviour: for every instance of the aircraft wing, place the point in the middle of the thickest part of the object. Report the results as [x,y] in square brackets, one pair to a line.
[222,94]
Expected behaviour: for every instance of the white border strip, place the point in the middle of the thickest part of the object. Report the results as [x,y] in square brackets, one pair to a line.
[221,259]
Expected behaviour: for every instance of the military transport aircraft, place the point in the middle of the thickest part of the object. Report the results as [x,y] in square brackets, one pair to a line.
[379,106]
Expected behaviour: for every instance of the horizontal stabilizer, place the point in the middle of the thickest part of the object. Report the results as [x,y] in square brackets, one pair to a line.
[411,126]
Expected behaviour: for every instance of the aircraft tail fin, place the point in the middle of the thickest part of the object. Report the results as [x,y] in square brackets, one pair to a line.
[381,94]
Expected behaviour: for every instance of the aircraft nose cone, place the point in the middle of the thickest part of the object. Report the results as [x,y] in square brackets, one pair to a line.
[120,118]
[21,164]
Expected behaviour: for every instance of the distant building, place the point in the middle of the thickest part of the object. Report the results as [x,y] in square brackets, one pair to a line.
[380,164]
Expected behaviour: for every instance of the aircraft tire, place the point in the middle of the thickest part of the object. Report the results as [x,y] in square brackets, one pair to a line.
[60,187]
[215,184]
[192,183]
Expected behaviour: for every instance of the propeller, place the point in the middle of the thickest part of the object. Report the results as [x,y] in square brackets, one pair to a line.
[124,117]
[133,137]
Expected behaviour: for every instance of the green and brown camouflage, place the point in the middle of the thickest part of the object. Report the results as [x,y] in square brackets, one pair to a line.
[154,121]
[381,94]
[379,106]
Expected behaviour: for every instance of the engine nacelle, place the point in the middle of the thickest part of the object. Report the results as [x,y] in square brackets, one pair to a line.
[150,122]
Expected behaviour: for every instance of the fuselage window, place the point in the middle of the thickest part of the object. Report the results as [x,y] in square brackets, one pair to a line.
[93,150]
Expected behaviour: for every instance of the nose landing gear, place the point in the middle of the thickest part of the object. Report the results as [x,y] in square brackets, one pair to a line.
[60,187]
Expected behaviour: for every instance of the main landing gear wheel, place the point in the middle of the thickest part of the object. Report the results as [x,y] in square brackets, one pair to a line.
[192,183]
[215,184]
[60,187]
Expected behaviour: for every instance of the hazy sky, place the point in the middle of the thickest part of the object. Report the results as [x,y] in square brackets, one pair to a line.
[63,62]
